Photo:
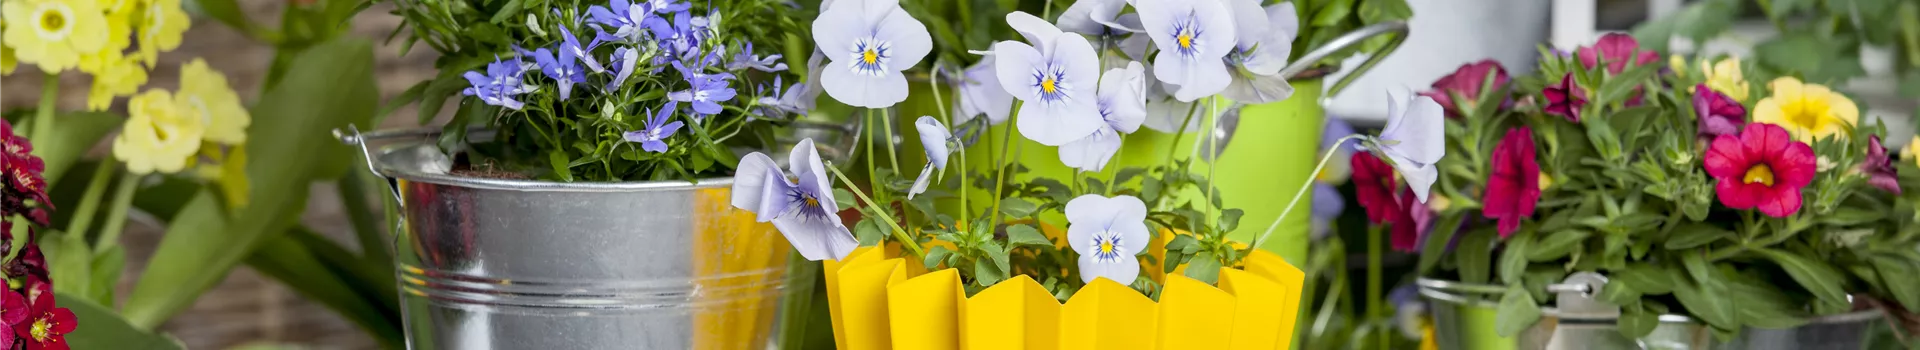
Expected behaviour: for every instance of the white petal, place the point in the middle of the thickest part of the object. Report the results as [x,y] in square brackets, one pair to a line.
[1124,271]
[933,138]
[1207,78]
[1127,22]
[836,29]
[1419,177]
[1420,132]
[1157,16]
[1078,18]
[1166,114]
[1057,125]
[750,184]
[1251,88]
[1123,89]
[874,10]
[1136,46]
[1249,20]
[1014,64]
[1090,153]
[1082,64]
[920,182]
[1284,19]
[860,90]
[1037,31]
[909,37]
[816,239]
[1277,43]
[1220,38]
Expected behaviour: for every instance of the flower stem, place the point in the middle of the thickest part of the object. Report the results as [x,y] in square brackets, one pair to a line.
[1114,173]
[117,213]
[1000,168]
[886,121]
[873,180]
[90,202]
[1174,147]
[49,100]
[1374,307]
[1213,114]
[1303,190]
[899,234]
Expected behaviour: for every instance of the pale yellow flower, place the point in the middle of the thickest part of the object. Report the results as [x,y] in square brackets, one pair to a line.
[118,76]
[1808,111]
[1913,150]
[7,62]
[1725,77]
[1677,64]
[160,24]
[52,34]
[157,137]
[204,95]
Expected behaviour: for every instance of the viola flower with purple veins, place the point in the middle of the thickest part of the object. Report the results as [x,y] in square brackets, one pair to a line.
[802,211]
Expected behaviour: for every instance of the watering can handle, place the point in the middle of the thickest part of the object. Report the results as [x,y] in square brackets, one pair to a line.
[1397,28]
[353,137]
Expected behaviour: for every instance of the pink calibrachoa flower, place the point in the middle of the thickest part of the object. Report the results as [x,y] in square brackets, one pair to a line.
[1466,82]
[1762,167]
[1879,168]
[1717,113]
[45,326]
[1373,186]
[1413,221]
[1614,50]
[1565,98]
[1514,187]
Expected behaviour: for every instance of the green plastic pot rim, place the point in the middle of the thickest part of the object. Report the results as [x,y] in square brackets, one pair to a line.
[1443,291]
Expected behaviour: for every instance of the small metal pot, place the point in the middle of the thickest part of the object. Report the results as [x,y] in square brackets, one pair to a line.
[488,263]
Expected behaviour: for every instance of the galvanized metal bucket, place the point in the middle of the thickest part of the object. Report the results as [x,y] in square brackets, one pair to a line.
[1463,316]
[487,263]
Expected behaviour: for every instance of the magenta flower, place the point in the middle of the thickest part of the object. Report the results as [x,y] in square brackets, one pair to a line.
[1717,113]
[1566,98]
[1466,83]
[1879,168]
[1614,50]
[1762,167]
[1514,187]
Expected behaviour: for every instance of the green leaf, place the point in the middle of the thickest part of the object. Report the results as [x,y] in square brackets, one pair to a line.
[1695,235]
[1204,267]
[1819,59]
[69,261]
[1473,255]
[73,135]
[106,273]
[999,256]
[1817,277]
[229,12]
[1025,235]
[1702,295]
[1636,322]
[1437,240]
[935,255]
[844,199]
[411,95]
[1376,11]
[1517,311]
[1333,13]
[986,274]
[869,233]
[326,87]
[507,12]
[1556,245]
[1513,261]
[100,328]
[1230,219]
[301,265]
[1645,278]
[1846,216]
[1897,273]
[558,159]
[436,94]
[1017,208]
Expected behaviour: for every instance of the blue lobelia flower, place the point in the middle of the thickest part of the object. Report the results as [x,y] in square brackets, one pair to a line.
[980,93]
[1056,76]
[705,91]
[1261,52]
[803,211]
[868,43]
[746,60]
[1122,108]
[565,70]
[652,136]
[681,39]
[1107,232]
[669,6]
[623,61]
[1414,139]
[934,138]
[775,103]
[497,87]
[1193,37]
[571,45]
[629,22]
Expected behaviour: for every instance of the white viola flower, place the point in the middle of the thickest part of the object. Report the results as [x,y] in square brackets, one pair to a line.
[1258,58]
[933,137]
[1107,232]
[803,211]
[1414,139]
[1193,37]
[980,93]
[869,42]
[1056,78]
[1097,18]
[1122,106]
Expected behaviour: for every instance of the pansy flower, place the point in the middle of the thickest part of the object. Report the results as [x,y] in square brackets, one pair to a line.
[1514,187]
[1565,98]
[1056,76]
[1465,83]
[803,211]
[981,94]
[933,138]
[1762,167]
[499,85]
[653,134]
[1265,42]
[1193,37]
[869,42]
[1718,114]
[1414,139]
[1122,109]
[1107,232]
[1879,167]
[1097,18]
[1614,50]
[1807,111]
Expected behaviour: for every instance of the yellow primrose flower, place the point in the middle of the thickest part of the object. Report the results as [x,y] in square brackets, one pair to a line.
[1677,64]
[204,94]
[1725,77]
[120,76]
[160,24]
[7,62]
[52,34]
[1808,111]
[157,137]
[1913,150]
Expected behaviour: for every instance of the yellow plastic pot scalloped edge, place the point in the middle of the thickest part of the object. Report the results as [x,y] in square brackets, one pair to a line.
[880,301]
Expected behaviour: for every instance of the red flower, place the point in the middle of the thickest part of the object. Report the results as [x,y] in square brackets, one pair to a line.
[1373,184]
[1717,113]
[1411,221]
[13,311]
[1565,98]
[1466,82]
[23,179]
[1879,168]
[1514,187]
[46,326]
[1615,49]
[1761,167]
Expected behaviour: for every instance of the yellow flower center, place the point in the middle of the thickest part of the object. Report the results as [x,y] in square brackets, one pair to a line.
[1759,173]
[1186,40]
[41,328]
[55,21]
[870,57]
[1106,247]
[1049,86]
[811,202]
[1807,113]
[52,21]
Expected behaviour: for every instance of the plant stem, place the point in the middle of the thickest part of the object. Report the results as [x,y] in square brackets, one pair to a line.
[49,100]
[1374,302]
[90,202]
[117,213]
[873,180]
[1048,12]
[899,234]
[1302,191]
[1213,127]
[1175,146]
[1000,169]
[886,121]
[1114,175]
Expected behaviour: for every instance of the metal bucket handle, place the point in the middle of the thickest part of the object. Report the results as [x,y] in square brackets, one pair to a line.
[1397,28]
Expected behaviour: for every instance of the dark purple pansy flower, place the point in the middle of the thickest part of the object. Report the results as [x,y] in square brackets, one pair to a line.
[1717,113]
[1879,168]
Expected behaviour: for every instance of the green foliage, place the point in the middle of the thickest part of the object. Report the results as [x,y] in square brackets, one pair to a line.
[100,328]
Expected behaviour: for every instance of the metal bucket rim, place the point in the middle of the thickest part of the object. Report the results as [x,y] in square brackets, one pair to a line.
[1438,290]
[383,166]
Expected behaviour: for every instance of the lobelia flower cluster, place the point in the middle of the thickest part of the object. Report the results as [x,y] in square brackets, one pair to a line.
[1063,91]
[1697,195]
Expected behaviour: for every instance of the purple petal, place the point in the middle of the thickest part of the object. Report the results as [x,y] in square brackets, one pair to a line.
[655,146]
[721,94]
[760,187]
[815,238]
[805,163]
[920,182]
[706,107]
[668,130]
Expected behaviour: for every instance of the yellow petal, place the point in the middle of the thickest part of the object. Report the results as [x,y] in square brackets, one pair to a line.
[1786,87]
[1768,111]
